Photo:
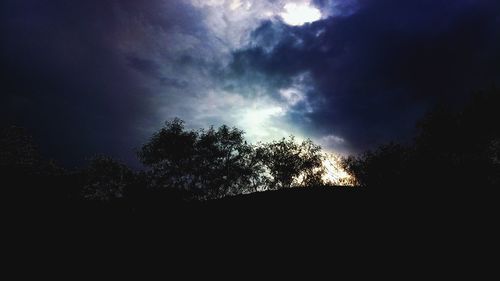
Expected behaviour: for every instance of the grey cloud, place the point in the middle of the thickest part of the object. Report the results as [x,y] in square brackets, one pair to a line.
[382,67]
[101,76]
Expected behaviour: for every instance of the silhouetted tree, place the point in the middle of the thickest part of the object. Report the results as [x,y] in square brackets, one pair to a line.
[170,155]
[452,149]
[27,176]
[458,147]
[225,163]
[386,166]
[211,163]
[291,163]
[106,179]
[18,151]
[312,164]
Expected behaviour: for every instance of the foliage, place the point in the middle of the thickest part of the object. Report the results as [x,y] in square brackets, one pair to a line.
[218,162]
[170,155]
[385,166]
[211,163]
[18,151]
[224,163]
[290,163]
[459,149]
[452,148]
[105,179]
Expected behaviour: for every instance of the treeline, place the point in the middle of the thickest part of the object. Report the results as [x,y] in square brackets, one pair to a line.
[217,162]
[454,150]
[180,165]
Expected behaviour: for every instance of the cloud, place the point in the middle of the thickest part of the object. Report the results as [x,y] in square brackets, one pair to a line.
[101,76]
[379,68]
[299,14]
[79,75]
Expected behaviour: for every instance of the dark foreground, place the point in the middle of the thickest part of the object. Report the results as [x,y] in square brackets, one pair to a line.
[351,231]
[336,210]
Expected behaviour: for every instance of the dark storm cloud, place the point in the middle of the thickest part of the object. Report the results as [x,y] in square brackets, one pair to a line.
[66,76]
[381,67]
[98,76]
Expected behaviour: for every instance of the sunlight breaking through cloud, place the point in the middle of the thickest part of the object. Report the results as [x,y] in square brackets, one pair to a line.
[299,14]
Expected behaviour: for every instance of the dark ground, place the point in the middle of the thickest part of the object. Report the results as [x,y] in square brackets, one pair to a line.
[351,232]
[333,210]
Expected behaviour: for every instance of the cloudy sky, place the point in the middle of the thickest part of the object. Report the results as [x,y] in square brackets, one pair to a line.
[99,76]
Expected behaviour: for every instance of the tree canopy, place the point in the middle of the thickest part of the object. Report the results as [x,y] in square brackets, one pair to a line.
[453,148]
[219,162]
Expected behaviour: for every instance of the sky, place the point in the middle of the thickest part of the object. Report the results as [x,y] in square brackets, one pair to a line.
[100,76]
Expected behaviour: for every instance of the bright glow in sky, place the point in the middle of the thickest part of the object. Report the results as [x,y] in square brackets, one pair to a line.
[255,104]
[299,14]
[257,121]
[334,174]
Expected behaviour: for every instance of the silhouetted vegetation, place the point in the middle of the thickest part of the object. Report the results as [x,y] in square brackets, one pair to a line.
[26,174]
[105,180]
[209,164]
[181,166]
[290,163]
[215,163]
[453,149]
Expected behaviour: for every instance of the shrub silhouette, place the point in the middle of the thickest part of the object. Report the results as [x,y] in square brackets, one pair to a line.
[386,166]
[455,149]
[18,152]
[30,179]
[105,179]
[459,147]
[182,165]
[452,149]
